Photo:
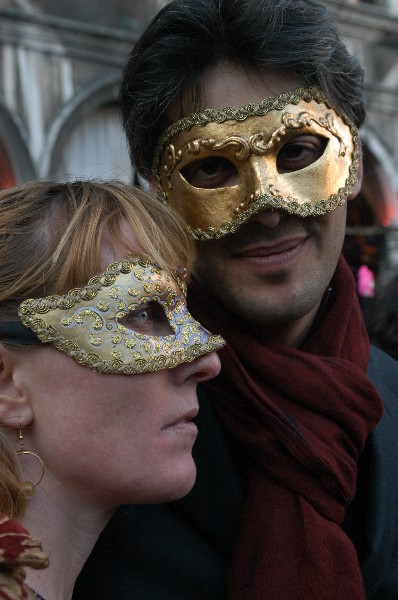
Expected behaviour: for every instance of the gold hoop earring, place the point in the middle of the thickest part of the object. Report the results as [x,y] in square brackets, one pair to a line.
[28,487]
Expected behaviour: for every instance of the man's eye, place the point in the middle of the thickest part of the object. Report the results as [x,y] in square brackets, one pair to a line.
[148,319]
[300,152]
[211,173]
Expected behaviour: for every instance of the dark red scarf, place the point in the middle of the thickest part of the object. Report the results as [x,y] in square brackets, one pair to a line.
[299,418]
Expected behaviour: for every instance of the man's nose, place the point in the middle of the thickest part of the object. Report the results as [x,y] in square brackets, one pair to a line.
[269,217]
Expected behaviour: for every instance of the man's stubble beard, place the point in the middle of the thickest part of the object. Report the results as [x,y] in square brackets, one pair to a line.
[255,302]
[259,312]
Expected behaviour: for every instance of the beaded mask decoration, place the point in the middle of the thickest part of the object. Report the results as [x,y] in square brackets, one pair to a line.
[219,167]
[131,319]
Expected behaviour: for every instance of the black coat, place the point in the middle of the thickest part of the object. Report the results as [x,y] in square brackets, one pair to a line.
[182,550]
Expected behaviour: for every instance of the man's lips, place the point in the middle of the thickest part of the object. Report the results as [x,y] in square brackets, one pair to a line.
[269,249]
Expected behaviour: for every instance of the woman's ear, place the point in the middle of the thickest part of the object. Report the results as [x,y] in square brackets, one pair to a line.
[15,405]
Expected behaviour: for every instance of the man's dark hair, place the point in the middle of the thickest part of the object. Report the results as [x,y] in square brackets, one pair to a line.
[297,37]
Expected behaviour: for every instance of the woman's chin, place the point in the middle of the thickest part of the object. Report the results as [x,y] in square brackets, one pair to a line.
[175,487]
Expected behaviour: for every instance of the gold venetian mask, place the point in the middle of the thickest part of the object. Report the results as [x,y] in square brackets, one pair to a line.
[131,319]
[293,152]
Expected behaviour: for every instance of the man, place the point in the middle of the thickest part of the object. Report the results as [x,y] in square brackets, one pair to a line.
[244,114]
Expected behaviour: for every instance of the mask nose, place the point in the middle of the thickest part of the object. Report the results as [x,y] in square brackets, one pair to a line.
[262,175]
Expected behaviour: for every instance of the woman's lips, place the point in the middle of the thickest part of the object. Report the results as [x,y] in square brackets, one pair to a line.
[184,422]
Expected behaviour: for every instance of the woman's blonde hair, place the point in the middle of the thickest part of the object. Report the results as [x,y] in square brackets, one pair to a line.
[50,237]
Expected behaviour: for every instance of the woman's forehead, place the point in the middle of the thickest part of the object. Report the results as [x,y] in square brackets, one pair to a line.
[114,248]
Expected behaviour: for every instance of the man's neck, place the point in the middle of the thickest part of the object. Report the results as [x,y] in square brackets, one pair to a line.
[292,335]
[295,333]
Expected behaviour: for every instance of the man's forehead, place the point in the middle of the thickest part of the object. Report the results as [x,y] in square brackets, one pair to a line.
[229,85]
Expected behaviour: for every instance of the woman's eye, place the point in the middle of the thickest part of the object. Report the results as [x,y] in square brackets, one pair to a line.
[143,315]
[139,320]
[148,319]
[300,152]
[211,173]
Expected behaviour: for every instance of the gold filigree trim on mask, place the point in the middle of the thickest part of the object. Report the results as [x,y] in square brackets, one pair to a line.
[212,115]
[256,143]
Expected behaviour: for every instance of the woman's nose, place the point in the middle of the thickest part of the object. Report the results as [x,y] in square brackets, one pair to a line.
[208,366]
[202,368]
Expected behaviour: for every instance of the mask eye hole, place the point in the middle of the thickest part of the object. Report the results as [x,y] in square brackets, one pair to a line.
[300,152]
[211,172]
[148,319]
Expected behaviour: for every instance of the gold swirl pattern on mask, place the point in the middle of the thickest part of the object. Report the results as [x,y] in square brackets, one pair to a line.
[213,115]
[93,336]
[255,144]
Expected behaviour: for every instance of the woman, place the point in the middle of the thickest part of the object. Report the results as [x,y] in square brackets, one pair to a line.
[91,293]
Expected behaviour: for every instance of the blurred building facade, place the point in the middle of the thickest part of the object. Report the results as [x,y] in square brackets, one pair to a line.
[60,69]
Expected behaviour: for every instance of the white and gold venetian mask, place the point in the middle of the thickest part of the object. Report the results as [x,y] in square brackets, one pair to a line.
[133,318]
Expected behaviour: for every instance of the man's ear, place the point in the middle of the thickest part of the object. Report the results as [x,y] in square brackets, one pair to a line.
[357,187]
[152,186]
[15,405]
